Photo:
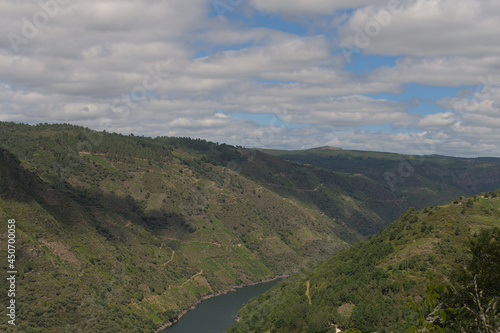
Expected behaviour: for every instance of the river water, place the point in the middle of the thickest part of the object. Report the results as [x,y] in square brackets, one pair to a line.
[217,314]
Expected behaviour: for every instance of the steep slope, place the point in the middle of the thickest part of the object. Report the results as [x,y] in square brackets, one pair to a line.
[103,264]
[419,181]
[72,263]
[350,200]
[369,285]
[351,206]
[121,233]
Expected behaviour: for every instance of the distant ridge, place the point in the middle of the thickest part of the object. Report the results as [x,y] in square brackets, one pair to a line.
[326,148]
[419,181]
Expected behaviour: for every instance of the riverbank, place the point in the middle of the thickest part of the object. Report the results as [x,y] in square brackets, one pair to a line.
[223,292]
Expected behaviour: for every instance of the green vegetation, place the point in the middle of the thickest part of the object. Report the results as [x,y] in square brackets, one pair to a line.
[418,181]
[88,161]
[368,286]
[121,233]
[470,302]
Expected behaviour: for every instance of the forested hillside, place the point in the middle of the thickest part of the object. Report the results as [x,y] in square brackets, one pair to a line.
[418,181]
[121,233]
[370,286]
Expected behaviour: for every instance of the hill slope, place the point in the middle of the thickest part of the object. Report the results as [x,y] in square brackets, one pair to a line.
[419,181]
[101,261]
[89,160]
[368,286]
[122,233]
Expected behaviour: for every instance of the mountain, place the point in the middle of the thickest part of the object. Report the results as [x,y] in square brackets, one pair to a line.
[419,181]
[369,286]
[122,233]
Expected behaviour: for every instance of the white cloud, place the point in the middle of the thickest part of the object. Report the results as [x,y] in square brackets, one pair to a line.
[426,28]
[480,110]
[351,111]
[285,55]
[441,71]
[421,143]
[301,7]
[439,120]
[171,68]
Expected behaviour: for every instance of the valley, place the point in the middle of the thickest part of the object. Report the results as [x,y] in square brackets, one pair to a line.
[123,233]
[371,286]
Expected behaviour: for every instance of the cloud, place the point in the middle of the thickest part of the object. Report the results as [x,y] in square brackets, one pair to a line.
[285,55]
[173,68]
[439,120]
[351,111]
[425,28]
[439,71]
[479,110]
[301,7]
[421,143]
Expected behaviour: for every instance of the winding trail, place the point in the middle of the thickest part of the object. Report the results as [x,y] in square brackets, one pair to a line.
[308,291]
[191,278]
[168,262]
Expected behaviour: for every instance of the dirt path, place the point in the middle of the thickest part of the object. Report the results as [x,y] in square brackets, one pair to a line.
[191,278]
[168,262]
[308,291]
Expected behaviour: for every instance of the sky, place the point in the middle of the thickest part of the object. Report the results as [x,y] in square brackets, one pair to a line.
[405,76]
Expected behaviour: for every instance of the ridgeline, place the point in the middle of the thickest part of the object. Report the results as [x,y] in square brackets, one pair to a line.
[122,233]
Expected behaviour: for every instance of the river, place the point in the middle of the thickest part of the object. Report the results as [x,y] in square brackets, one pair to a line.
[217,314]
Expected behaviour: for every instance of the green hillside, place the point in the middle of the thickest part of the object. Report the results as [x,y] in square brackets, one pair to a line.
[121,233]
[419,181]
[368,287]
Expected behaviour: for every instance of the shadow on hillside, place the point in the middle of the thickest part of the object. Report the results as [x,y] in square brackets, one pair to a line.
[327,190]
[130,209]
[69,205]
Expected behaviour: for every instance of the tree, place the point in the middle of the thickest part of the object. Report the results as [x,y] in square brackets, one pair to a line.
[478,288]
[433,312]
[470,302]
